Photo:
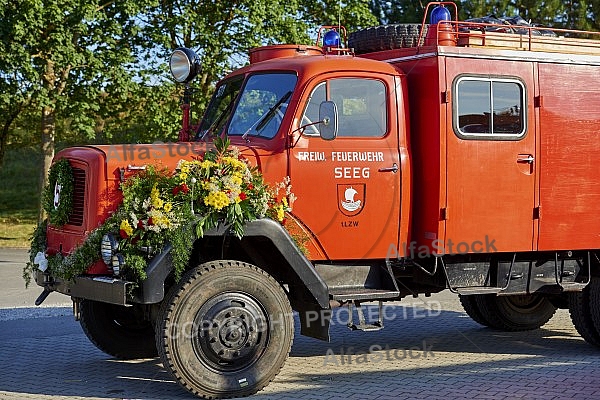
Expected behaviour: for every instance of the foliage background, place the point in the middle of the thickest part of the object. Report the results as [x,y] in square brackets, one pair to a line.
[88,71]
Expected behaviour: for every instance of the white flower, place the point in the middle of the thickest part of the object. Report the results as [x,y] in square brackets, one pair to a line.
[134,219]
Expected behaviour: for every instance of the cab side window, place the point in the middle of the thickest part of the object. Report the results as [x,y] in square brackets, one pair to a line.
[361,104]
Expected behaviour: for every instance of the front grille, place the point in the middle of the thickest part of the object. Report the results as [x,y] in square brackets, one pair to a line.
[76,217]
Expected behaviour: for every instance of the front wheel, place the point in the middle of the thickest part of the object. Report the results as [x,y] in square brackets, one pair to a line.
[516,313]
[225,330]
[119,331]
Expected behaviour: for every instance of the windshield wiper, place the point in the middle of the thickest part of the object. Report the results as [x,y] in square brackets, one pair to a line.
[265,119]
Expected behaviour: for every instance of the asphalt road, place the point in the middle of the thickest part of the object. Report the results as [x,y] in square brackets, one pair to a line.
[428,349]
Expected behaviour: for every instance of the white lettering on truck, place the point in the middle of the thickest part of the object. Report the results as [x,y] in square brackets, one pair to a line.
[311,156]
[351,172]
[356,156]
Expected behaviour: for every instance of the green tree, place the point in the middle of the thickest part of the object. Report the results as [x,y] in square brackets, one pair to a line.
[73,61]
[397,11]
[60,55]
[568,14]
[222,32]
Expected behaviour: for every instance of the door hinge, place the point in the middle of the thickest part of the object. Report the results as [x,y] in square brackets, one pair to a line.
[538,101]
[446,97]
[443,214]
[537,213]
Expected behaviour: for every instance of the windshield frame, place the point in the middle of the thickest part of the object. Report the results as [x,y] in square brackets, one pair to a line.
[215,120]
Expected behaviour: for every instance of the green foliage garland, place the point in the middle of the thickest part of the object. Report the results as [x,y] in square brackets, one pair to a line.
[60,179]
[161,207]
[38,244]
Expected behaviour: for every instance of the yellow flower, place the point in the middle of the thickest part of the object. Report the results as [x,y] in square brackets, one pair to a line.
[157,202]
[217,200]
[168,207]
[207,164]
[280,212]
[125,227]
[183,176]
[236,179]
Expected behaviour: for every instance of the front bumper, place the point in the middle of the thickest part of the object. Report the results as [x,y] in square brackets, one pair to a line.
[98,288]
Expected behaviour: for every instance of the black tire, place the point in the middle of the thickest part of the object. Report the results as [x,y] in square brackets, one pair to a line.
[516,313]
[386,37]
[118,331]
[469,304]
[585,312]
[225,330]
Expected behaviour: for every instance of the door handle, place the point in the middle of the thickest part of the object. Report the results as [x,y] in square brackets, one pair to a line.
[393,168]
[525,158]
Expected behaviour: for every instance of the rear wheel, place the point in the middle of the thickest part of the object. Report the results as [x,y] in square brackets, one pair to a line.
[119,331]
[225,330]
[584,308]
[516,313]
[469,304]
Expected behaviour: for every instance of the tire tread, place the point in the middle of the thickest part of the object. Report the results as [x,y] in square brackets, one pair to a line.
[169,304]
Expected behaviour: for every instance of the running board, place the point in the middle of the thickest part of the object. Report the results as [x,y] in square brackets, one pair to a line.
[363,294]
[566,272]
[359,282]
[466,291]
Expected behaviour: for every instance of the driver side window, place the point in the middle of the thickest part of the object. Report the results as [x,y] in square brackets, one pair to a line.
[311,114]
[361,104]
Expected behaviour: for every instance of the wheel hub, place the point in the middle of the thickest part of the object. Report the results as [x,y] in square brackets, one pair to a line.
[230,331]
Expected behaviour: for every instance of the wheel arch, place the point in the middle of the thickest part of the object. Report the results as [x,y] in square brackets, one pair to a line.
[269,246]
[265,244]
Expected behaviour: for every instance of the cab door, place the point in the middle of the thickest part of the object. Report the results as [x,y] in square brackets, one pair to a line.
[490,156]
[348,189]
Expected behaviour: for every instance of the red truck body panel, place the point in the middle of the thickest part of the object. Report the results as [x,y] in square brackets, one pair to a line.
[569,121]
[478,190]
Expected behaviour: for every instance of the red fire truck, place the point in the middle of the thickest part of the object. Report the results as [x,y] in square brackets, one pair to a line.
[424,157]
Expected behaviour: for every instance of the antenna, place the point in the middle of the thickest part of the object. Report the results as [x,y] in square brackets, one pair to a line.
[340,13]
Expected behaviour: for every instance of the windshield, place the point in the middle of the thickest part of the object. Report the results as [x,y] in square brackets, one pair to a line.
[262,104]
[220,106]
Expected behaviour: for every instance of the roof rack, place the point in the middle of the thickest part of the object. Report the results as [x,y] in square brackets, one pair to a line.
[508,36]
[528,38]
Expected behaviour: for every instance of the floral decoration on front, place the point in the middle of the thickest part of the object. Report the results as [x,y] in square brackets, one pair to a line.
[161,206]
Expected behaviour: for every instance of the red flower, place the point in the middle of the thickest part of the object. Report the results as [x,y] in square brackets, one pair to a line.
[123,234]
[140,224]
[243,196]
[150,222]
[181,188]
[250,186]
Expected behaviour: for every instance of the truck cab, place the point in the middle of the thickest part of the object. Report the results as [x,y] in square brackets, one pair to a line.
[332,179]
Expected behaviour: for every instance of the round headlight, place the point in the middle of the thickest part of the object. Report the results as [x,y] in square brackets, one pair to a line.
[184,64]
[118,262]
[108,247]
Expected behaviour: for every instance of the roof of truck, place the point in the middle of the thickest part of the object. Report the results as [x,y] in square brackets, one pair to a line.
[311,65]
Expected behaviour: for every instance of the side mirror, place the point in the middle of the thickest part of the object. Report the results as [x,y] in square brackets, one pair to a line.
[328,117]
